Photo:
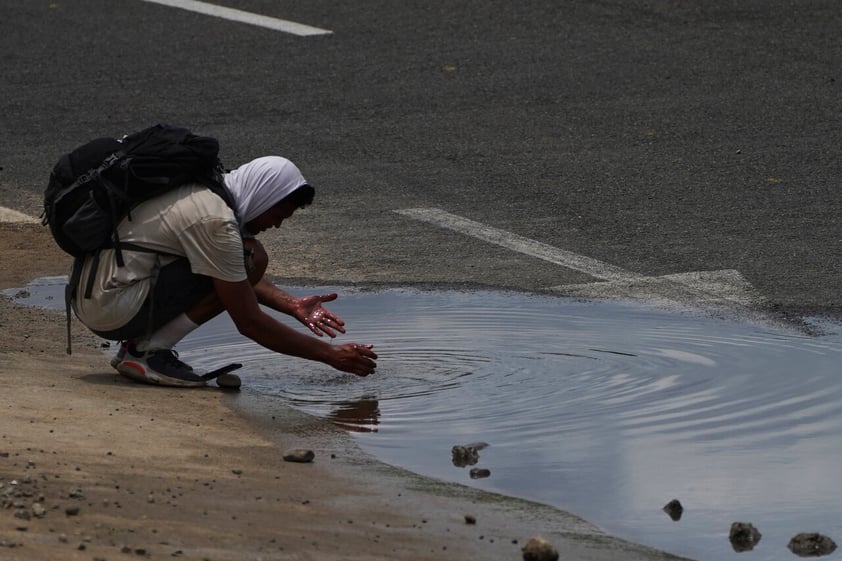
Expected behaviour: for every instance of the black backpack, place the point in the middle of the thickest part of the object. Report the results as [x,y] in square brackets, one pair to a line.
[95,186]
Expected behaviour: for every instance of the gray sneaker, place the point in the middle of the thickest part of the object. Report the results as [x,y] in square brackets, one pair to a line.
[160,367]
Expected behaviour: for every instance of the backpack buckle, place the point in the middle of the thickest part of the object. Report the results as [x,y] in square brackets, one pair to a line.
[93,173]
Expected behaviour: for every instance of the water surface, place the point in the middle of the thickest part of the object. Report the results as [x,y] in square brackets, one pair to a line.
[605,409]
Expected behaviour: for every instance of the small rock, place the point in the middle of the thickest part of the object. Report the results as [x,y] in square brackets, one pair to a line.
[71,510]
[38,510]
[539,549]
[237,471]
[674,509]
[300,456]
[470,519]
[479,473]
[811,544]
[229,382]
[464,456]
[743,536]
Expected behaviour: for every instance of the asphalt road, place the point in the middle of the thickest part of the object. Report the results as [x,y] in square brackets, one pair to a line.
[658,136]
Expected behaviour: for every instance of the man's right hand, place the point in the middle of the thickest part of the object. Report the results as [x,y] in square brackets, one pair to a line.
[240,300]
[354,358]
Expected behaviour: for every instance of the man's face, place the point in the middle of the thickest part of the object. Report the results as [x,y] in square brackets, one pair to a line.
[272,218]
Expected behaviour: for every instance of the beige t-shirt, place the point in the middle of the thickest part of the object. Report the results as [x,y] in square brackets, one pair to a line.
[190,221]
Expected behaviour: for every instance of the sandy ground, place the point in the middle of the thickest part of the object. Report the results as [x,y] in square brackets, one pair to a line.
[123,469]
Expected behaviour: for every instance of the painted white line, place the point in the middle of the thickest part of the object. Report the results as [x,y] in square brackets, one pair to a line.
[706,288]
[243,17]
[9,215]
[702,287]
[521,244]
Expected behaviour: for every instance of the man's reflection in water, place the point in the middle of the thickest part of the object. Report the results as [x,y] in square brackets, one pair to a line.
[362,415]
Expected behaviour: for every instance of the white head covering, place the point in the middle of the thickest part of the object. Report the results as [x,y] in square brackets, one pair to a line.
[261,184]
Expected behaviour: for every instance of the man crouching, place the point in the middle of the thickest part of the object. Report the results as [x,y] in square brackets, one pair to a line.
[188,256]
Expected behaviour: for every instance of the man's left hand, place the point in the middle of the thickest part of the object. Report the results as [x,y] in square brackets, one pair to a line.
[318,319]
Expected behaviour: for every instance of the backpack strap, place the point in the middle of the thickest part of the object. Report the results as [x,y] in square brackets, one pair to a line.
[153,281]
[70,294]
[75,279]
[216,184]
[90,175]
[112,193]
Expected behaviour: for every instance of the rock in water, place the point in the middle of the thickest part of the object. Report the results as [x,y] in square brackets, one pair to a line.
[811,544]
[539,549]
[674,509]
[229,381]
[743,536]
[464,456]
[479,473]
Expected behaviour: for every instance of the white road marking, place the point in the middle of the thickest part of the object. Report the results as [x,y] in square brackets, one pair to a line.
[521,244]
[243,17]
[702,288]
[9,215]
[710,288]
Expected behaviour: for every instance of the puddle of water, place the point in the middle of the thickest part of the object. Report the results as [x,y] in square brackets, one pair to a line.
[604,409]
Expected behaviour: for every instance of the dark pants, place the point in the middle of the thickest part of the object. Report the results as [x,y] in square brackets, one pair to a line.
[176,290]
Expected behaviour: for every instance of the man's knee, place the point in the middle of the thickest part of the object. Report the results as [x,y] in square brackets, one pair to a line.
[256,259]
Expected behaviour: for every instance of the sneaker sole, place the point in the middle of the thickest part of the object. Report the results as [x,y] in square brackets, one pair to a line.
[131,371]
[137,372]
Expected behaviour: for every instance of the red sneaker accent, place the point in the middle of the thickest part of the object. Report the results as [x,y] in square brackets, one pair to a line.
[141,371]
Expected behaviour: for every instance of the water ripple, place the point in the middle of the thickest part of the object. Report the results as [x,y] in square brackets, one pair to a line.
[606,409]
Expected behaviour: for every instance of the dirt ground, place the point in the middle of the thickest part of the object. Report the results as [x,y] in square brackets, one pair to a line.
[95,467]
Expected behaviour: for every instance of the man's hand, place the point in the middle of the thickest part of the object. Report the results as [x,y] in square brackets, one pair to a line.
[319,320]
[354,358]
[241,302]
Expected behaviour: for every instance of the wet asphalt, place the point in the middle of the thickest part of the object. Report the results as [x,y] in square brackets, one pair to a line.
[662,137]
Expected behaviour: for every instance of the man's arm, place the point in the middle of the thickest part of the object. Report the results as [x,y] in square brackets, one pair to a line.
[240,300]
[274,297]
[308,310]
